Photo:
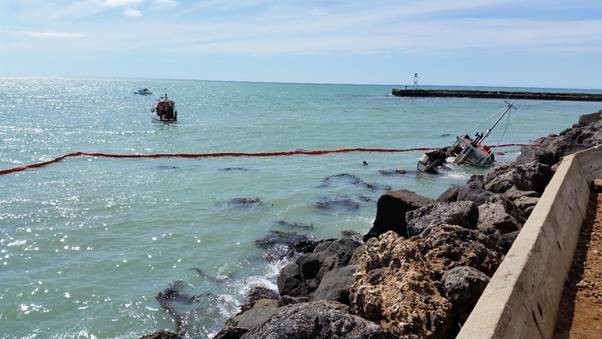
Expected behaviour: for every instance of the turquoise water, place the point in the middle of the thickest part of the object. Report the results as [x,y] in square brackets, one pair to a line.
[87,243]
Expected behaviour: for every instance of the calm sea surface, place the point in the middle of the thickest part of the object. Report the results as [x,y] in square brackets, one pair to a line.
[86,244]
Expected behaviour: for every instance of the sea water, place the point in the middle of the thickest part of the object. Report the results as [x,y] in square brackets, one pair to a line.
[86,244]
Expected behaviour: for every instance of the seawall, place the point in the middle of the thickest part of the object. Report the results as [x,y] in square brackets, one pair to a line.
[523,296]
[444,93]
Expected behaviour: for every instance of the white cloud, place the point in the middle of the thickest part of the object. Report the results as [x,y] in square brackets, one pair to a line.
[122,3]
[165,3]
[132,12]
[59,35]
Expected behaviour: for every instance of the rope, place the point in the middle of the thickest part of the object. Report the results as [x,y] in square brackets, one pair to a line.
[228,154]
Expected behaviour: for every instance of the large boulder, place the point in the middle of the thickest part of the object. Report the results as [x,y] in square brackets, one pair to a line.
[500,215]
[472,191]
[531,176]
[335,285]
[463,287]
[587,119]
[256,316]
[317,319]
[394,287]
[447,246]
[461,213]
[303,276]
[391,209]
[257,293]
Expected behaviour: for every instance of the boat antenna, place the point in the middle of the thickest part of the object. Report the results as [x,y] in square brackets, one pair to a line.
[509,107]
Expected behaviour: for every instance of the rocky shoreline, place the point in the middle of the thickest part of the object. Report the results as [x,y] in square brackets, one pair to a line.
[420,269]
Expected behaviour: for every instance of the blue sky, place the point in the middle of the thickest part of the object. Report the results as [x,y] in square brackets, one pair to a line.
[551,43]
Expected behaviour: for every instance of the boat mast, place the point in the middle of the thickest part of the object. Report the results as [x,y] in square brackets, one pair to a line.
[508,108]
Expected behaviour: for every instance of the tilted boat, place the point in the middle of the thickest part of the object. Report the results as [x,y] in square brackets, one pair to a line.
[465,151]
[143,91]
[164,110]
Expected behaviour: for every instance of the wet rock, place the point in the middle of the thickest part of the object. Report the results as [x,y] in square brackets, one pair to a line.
[351,179]
[463,287]
[447,246]
[318,319]
[294,225]
[256,316]
[391,210]
[391,172]
[303,276]
[231,333]
[338,203]
[500,215]
[472,191]
[394,288]
[166,167]
[279,244]
[257,293]
[531,176]
[245,202]
[365,198]
[461,213]
[162,335]
[335,285]
[180,305]
[351,234]
[230,169]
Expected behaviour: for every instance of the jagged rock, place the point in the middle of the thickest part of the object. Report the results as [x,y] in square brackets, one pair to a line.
[257,293]
[394,287]
[526,204]
[461,213]
[500,215]
[162,335]
[279,244]
[317,319]
[447,246]
[231,333]
[514,193]
[531,176]
[256,316]
[335,285]
[304,275]
[472,191]
[463,287]
[504,241]
[353,235]
[591,118]
[391,209]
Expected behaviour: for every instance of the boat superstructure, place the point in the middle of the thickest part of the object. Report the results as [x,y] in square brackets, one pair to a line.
[164,110]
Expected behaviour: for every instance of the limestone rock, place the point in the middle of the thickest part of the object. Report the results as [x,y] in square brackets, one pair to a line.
[461,213]
[532,176]
[472,191]
[256,316]
[335,285]
[447,246]
[394,287]
[500,215]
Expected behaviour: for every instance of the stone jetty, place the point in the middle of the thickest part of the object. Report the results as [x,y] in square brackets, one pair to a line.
[447,93]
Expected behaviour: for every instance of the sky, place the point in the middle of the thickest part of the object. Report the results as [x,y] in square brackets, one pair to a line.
[534,43]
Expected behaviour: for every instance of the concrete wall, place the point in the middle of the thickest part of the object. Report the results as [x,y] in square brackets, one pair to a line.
[523,296]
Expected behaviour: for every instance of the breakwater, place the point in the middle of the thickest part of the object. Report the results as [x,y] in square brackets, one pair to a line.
[422,267]
[477,94]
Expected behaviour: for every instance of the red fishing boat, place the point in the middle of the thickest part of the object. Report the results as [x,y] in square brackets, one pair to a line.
[164,110]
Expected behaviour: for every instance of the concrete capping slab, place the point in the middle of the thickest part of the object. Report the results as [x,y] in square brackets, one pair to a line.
[523,296]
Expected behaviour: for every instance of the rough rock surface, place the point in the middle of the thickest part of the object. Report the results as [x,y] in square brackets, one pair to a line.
[304,275]
[257,293]
[335,285]
[391,209]
[532,176]
[394,287]
[256,316]
[318,319]
[463,286]
[162,335]
[447,246]
[500,215]
[461,213]
[472,191]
